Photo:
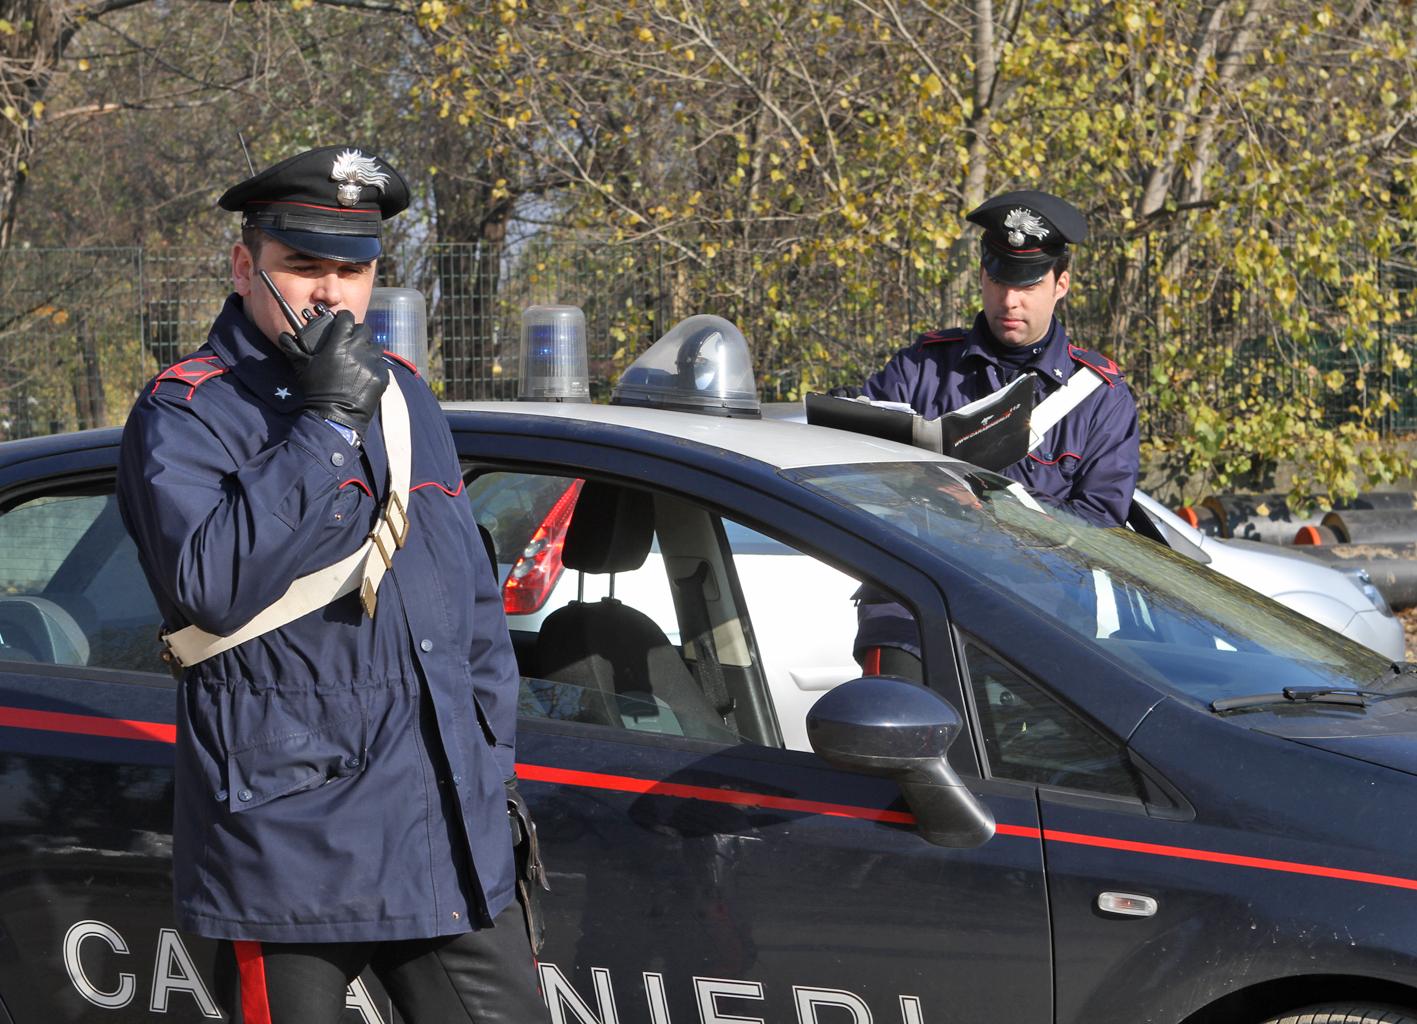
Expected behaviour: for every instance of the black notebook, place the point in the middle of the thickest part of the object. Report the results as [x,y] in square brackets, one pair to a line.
[991,432]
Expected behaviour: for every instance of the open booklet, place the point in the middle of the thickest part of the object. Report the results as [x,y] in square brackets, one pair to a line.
[991,432]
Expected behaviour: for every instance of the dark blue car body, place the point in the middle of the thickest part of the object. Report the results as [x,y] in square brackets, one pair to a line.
[705,881]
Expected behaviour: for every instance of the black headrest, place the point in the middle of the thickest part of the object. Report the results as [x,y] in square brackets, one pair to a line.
[611,529]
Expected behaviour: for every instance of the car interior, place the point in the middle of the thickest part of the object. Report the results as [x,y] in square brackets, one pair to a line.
[603,660]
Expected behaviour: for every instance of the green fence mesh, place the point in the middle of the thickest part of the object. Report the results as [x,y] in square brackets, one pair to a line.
[81,330]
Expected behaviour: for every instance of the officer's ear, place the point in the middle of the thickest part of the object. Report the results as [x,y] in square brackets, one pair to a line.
[1060,286]
[243,269]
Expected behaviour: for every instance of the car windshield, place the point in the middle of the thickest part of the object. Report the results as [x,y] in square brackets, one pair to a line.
[1181,625]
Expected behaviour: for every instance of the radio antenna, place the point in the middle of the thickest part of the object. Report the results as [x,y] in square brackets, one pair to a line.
[250,166]
[290,316]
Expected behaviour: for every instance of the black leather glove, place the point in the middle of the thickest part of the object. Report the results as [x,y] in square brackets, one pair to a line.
[845,391]
[341,374]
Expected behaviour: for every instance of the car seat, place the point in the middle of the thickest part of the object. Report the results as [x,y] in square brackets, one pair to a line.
[609,648]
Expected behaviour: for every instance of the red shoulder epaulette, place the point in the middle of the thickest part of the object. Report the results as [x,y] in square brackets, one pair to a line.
[193,372]
[1106,368]
[933,337]
[402,362]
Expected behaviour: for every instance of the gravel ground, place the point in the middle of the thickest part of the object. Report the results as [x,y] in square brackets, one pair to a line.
[1409,626]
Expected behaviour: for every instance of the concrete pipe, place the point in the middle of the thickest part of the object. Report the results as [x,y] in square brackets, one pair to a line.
[1373,525]
[1262,517]
[1203,519]
[1405,500]
[1317,536]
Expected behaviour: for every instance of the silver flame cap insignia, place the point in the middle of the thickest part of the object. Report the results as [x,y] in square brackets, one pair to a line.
[353,170]
[1021,222]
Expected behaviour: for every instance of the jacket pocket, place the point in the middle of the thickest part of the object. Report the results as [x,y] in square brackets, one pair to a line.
[296,761]
[484,722]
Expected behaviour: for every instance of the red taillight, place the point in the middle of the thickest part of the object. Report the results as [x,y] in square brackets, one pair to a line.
[534,576]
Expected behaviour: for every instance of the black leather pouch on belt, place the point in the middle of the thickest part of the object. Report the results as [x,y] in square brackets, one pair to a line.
[531,873]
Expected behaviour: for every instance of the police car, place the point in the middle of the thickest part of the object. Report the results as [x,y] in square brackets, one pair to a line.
[1127,790]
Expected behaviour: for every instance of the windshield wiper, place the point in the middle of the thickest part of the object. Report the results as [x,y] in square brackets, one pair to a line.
[1296,695]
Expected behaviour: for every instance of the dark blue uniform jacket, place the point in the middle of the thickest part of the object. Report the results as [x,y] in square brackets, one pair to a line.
[1087,464]
[340,778]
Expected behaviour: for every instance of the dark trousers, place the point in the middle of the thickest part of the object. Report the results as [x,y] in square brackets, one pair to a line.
[482,977]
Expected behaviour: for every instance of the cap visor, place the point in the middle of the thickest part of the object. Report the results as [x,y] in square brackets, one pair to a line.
[345,248]
[1007,271]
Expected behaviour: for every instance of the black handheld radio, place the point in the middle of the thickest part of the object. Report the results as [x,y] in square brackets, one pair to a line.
[310,331]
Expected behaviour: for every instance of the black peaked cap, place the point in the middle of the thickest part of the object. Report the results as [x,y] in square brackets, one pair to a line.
[328,202]
[1024,233]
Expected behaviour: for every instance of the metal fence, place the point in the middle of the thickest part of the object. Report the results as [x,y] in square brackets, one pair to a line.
[81,330]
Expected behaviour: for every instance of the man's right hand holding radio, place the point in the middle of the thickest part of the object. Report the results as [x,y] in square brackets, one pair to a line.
[341,374]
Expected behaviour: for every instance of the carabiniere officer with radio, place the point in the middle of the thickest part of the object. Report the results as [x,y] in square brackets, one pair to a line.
[347,705]
[1087,462]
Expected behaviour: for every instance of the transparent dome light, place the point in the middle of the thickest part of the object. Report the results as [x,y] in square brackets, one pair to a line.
[554,366]
[398,320]
[702,364]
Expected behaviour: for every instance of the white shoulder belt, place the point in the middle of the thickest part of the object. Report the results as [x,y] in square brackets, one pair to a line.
[1048,413]
[363,570]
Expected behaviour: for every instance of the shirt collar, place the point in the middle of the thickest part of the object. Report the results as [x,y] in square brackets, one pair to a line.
[1052,364]
[254,359]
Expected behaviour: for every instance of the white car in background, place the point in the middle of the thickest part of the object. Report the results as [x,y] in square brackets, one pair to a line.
[1344,600]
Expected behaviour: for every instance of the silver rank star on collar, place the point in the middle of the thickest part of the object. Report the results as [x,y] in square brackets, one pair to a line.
[282,392]
[1057,372]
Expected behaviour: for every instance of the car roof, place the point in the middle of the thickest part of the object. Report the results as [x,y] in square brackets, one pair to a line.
[777,443]
[24,449]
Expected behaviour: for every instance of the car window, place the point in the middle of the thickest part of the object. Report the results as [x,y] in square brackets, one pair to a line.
[1029,736]
[733,633]
[803,613]
[1188,629]
[512,506]
[659,646]
[71,589]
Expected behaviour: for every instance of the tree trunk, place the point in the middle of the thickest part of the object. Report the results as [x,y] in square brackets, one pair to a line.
[89,407]
[987,46]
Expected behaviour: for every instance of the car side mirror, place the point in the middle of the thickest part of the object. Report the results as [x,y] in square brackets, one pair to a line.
[1141,520]
[883,726]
